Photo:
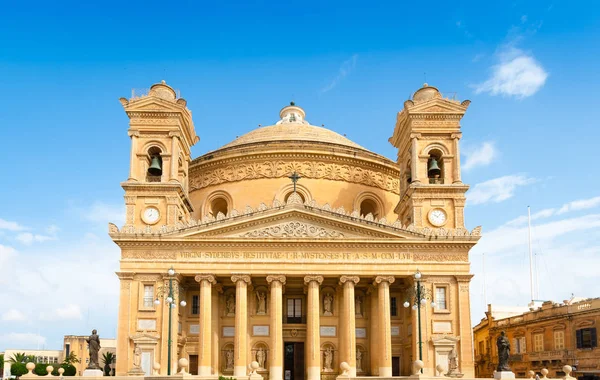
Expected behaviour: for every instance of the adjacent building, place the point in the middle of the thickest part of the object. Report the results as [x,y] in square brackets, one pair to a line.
[550,336]
[292,245]
[78,345]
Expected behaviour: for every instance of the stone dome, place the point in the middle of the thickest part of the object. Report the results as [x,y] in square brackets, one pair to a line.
[292,127]
[426,92]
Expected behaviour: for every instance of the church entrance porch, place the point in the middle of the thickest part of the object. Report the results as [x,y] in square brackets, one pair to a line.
[293,361]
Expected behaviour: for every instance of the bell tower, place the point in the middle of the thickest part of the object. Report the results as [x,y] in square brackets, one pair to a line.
[427,135]
[162,134]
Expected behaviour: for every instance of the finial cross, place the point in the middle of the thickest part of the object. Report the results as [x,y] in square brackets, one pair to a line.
[294,177]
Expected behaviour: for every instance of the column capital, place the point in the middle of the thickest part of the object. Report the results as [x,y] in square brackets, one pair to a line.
[241,277]
[388,279]
[276,277]
[351,279]
[464,278]
[206,277]
[415,135]
[310,278]
[456,136]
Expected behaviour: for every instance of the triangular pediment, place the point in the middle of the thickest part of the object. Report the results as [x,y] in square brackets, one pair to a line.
[153,104]
[293,220]
[437,105]
[293,223]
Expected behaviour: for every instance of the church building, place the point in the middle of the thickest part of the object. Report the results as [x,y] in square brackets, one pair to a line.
[294,247]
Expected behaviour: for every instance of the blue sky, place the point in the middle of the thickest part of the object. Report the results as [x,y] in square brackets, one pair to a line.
[529,137]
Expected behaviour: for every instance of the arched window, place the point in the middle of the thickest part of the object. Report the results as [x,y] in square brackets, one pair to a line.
[219,205]
[435,167]
[285,199]
[369,206]
[155,164]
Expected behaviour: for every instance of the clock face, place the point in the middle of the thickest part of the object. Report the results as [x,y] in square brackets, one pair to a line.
[437,217]
[151,215]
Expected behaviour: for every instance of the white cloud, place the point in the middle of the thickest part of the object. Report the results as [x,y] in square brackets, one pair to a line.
[52,229]
[344,71]
[517,74]
[100,212]
[480,156]
[11,226]
[69,311]
[22,340]
[507,236]
[578,205]
[497,189]
[545,213]
[581,204]
[13,315]
[28,238]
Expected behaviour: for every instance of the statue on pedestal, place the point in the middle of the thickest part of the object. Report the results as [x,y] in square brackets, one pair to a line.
[94,345]
[328,354]
[260,358]
[262,304]
[503,352]
[328,304]
[229,359]
[359,361]
[230,304]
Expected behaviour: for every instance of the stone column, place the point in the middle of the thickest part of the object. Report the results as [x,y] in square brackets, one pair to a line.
[133,160]
[174,155]
[240,358]
[205,335]
[374,332]
[313,338]
[385,335]
[414,157]
[348,334]
[456,166]
[276,317]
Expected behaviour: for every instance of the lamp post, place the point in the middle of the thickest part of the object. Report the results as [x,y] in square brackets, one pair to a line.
[171,304]
[418,297]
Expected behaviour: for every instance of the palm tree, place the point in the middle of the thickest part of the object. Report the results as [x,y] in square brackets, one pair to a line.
[18,357]
[30,358]
[71,358]
[107,357]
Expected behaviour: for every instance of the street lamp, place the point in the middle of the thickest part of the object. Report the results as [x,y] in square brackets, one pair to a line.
[171,304]
[418,297]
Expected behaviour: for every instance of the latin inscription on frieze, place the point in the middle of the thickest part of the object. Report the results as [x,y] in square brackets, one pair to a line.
[391,257]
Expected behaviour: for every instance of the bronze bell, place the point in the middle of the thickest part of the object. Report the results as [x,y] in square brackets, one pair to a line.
[433,170]
[155,167]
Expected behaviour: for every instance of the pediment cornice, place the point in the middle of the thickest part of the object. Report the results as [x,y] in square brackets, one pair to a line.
[293,220]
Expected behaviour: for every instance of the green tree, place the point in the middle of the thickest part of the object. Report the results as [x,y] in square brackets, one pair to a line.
[71,358]
[18,357]
[40,369]
[1,364]
[18,369]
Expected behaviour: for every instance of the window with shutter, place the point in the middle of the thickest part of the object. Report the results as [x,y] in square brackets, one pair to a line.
[586,338]
[579,339]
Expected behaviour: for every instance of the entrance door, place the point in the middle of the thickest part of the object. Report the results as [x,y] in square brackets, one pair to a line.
[193,368]
[395,366]
[293,362]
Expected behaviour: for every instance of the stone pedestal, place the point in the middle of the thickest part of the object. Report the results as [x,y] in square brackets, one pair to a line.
[95,373]
[504,375]
[136,371]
